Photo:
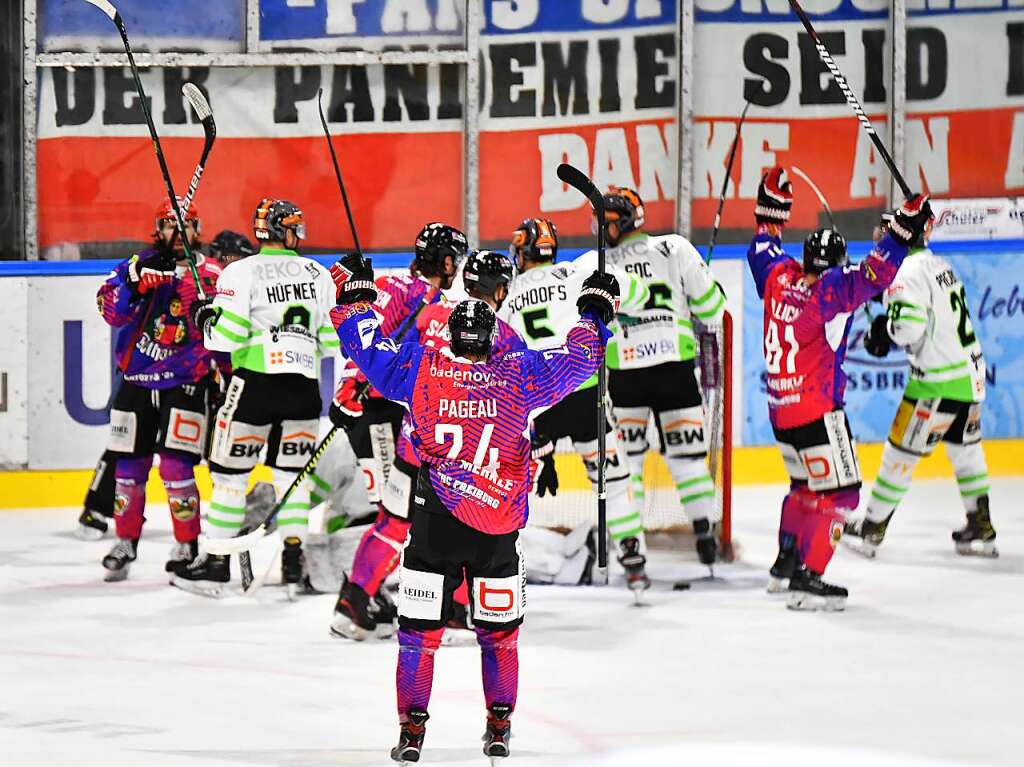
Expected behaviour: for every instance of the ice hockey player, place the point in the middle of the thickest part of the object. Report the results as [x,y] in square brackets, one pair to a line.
[808,310]
[539,307]
[272,313]
[373,422]
[228,247]
[486,276]
[469,411]
[927,314]
[651,358]
[160,406]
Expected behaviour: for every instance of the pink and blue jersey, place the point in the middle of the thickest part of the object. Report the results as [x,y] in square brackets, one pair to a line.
[806,324]
[470,419]
[157,346]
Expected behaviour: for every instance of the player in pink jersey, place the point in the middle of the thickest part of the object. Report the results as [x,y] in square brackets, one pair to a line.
[487,275]
[808,310]
[470,410]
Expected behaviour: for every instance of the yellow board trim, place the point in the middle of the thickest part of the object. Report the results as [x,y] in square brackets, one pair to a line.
[751,466]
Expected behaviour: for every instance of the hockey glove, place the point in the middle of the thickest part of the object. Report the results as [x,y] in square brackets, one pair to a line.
[144,274]
[353,278]
[774,197]
[204,315]
[910,219]
[542,450]
[599,296]
[347,406]
[877,341]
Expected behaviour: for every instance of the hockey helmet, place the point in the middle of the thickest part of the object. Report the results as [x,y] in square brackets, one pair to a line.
[165,212]
[231,246]
[473,326]
[824,249]
[624,208]
[434,243]
[486,271]
[536,239]
[274,218]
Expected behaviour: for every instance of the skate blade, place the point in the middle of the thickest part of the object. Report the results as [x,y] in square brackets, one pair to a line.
[343,628]
[384,630]
[115,576]
[777,585]
[861,547]
[86,533]
[810,603]
[292,592]
[211,590]
[986,549]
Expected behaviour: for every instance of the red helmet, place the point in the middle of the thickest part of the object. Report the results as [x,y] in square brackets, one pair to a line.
[165,212]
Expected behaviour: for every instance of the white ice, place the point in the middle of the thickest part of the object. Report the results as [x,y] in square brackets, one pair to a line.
[926,666]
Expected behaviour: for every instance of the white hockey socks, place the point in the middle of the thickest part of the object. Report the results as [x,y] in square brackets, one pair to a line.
[293,519]
[694,485]
[225,513]
[971,472]
[892,482]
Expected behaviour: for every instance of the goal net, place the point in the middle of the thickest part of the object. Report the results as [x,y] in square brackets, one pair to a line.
[664,517]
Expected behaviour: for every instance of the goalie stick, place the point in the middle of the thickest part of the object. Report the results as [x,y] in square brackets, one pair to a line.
[112,13]
[579,181]
[851,99]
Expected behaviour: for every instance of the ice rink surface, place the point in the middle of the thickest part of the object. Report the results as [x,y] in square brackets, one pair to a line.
[926,666]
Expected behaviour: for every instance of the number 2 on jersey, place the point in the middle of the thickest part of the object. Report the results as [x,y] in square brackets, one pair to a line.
[775,349]
[482,457]
[958,302]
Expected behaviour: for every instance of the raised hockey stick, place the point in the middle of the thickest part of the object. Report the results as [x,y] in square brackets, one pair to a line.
[851,99]
[337,169]
[725,183]
[111,11]
[818,194]
[579,181]
[201,106]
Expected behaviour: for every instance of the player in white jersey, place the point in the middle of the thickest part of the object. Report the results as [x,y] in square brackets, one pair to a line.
[927,314]
[539,307]
[651,357]
[272,313]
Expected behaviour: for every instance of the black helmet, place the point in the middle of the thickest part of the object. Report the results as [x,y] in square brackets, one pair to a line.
[228,243]
[536,239]
[824,249]
[274,218]
[623,207]
[486,270]
[472,325]
[433,243]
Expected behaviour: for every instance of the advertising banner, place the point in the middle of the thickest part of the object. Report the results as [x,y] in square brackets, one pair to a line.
[986,218]
[13,372]
[995,295]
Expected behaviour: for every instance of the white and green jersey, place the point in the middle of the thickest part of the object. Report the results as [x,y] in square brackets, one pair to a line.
[275,313]
[541,302]
[928,314]
[681,286]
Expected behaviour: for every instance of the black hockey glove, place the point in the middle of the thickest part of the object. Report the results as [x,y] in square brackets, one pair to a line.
[877,341]
[204,315]
[774,197]
[600,296]
[910,219]
[144,274]
[542,450]
[353,278]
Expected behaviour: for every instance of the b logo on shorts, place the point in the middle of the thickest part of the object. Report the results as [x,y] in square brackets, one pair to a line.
[497,600]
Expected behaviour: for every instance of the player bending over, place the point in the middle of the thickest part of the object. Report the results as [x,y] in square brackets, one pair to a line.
[651,358]
[808,311]
[373,424]
[927,314]
[539,307]
[160,406]
[271,313]
[469,413]
[486,276]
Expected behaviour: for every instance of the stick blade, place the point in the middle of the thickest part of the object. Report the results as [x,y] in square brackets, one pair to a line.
[197,99]
[104,6]
[578,180]
[236,545]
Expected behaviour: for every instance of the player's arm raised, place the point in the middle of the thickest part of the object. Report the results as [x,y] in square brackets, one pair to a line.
[774,202]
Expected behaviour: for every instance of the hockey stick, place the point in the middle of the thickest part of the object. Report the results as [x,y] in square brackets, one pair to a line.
[579,181]
[851,99]
[111,11]
[201,106]
[337,169]
[818,194]
[725,183]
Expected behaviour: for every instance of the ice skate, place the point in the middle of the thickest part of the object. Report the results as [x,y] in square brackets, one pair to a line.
[293,567]
[352,618]
[807,591]
[206,575]
[410,739]
[92,526]
[633,562]
[119,560]
[707,546]
[868,535]
[181,555]
[498,732]
[385,614]
[782,570]
[977,537]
